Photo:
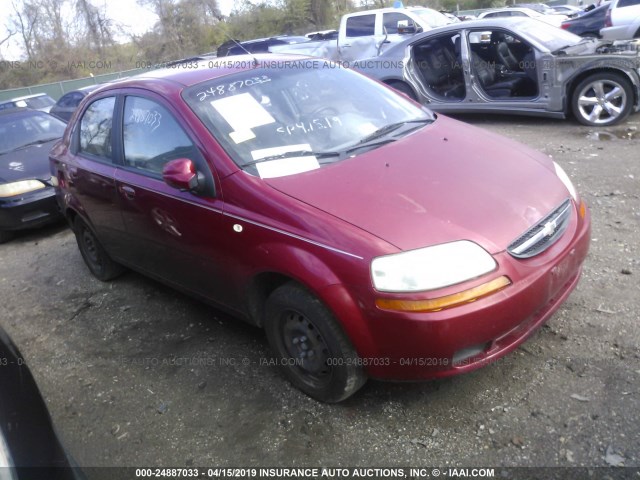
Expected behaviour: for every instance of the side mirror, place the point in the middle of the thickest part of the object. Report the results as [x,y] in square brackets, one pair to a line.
[406,27]
[182,174]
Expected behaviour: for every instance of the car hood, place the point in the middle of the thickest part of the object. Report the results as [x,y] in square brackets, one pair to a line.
[447,181]
[27,162]
[603,47]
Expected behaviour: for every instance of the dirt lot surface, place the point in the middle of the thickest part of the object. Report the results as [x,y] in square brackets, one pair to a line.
[135,374]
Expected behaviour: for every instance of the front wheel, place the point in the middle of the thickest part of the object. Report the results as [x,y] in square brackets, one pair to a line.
[94,255]
[312,349]
[602,99]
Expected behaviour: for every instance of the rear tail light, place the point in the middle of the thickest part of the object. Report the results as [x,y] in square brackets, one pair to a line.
[607,19]
[564,26]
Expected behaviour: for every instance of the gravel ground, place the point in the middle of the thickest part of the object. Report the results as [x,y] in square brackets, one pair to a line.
[135,374]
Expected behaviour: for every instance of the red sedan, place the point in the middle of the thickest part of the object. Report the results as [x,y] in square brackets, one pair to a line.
[366,235]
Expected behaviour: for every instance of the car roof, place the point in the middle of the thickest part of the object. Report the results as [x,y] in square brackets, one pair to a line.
[390,10]
[207,69]
[88,88]
[512,9]
[498,22]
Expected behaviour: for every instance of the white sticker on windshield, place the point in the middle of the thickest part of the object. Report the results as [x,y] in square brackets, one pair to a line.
[242,136]
[284,166]
[242,112]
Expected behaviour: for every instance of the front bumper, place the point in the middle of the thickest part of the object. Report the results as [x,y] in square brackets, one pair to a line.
[30,210]
[415,346]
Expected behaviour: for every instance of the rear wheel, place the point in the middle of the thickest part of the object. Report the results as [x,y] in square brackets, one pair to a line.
[311,347]
[402,87]
[602,99]
[94,255]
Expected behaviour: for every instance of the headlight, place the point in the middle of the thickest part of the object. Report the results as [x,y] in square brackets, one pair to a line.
[18,188]
[562,175]
[431,267]
[5,459]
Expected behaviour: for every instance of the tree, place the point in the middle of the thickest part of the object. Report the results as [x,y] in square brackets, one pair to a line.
[99,27]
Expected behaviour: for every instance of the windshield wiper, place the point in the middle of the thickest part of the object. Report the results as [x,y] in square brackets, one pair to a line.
[297,153]
[392,127]
[36,142]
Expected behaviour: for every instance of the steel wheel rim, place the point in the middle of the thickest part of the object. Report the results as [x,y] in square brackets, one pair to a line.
[91,248]
[602,101]
[306,349]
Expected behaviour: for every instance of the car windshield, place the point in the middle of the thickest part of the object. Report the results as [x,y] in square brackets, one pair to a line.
[43,101]
[28,128]
[289,117]
[432,17]
[553,38]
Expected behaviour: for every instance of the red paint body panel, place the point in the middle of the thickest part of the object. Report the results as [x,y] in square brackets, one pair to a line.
[446,182]
[322,228]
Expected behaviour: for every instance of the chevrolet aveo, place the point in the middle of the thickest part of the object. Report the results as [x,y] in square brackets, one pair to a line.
[366,235]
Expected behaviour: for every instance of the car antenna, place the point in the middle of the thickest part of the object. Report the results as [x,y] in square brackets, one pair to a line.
[233,40]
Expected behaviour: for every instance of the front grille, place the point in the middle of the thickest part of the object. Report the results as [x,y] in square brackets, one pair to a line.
[543,234]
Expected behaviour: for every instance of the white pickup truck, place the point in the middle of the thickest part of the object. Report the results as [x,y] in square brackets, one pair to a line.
[367,34]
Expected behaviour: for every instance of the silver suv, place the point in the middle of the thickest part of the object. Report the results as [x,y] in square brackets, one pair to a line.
[622,20]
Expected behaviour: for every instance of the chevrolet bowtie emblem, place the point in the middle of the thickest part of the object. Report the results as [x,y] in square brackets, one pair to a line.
[549,228]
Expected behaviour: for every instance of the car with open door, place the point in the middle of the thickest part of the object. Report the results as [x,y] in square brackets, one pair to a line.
[517,66]
[368,236]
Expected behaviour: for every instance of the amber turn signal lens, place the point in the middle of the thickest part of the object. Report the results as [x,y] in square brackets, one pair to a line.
[448,301]
[583,209]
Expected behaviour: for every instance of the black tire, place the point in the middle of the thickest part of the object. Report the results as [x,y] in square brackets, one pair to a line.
[402,87]
[5,236]
[602,99]
[312,350]
[94,255]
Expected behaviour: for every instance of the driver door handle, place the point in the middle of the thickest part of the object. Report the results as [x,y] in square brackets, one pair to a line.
[128,192]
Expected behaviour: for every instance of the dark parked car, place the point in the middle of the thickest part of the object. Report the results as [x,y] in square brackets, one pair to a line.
[29,446]
[587,24]
[27,199]
[259,45]
[515,65]
[366,235]
[67,104]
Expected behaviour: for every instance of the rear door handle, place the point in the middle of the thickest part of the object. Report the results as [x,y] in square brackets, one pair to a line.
[128,192]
